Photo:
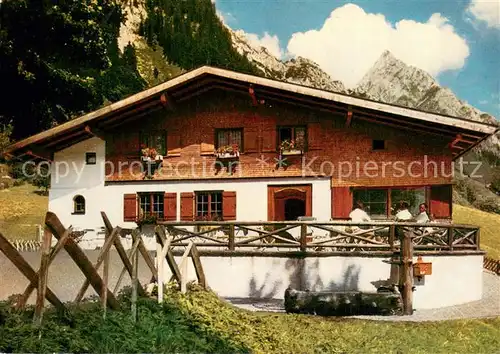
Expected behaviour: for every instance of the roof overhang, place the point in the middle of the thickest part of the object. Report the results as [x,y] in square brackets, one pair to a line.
[461,134]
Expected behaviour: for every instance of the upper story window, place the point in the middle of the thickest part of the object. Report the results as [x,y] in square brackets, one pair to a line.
[413,196]
[378,144]
[229,138]
[292,138]
[90,158]
[156,140]
[209,205]
[78,205]
[151,204]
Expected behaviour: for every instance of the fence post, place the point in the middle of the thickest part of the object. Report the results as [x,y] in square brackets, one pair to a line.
[105,277]
[395,259]
[478,238]
[303,237]
[231,237]
[42,277]
[451,231]
[135,266]
[406,276]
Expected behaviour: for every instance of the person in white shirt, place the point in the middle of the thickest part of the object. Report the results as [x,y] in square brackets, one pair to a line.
[403,213]
[358,214]
[422,216]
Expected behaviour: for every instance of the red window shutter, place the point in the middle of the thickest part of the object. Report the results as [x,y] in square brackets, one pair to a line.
[440,203]
[269,142]
[129,207]
[341,202]
[229,205]
[170,207]
[173,143]
[187,206]
[251,140]
[314,136]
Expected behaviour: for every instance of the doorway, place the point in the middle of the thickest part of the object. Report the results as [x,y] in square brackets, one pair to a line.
[289,202]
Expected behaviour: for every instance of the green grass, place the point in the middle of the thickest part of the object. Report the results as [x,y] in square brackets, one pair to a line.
[489,223]
[21,209]
[200,322]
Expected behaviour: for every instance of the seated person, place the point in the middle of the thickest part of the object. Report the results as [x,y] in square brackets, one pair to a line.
[403,214]
[358,214]
[422,216]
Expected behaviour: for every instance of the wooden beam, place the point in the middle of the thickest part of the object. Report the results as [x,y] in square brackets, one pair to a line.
[458,137]
[251,92]
[40,153]
[96,132]
[43,276]
[161,238]
[349,117]
[79,257]
[167,101]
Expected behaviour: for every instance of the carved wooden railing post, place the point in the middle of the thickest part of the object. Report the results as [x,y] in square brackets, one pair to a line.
[303,237]
[406,276]
[231,237]
[478,238]
[451,231]
[395,259]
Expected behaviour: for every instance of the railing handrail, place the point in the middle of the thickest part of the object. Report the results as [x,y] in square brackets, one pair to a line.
[328,223]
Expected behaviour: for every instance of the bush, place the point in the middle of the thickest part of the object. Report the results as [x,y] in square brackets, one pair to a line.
[489,204]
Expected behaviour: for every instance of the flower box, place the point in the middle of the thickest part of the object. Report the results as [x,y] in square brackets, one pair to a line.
[291,152]
[227,155]
[227,152]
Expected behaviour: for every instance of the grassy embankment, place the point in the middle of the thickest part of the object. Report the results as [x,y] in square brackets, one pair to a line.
[200,322]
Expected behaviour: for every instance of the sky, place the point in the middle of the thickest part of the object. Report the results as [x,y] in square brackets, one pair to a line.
[457,42]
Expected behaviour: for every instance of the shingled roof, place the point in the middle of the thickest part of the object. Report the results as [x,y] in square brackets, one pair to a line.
[463,133]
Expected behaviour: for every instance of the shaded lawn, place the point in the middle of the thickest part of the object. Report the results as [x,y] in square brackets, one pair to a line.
[21,209]
[489,223]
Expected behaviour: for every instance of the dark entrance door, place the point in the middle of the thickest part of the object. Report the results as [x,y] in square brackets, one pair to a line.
[294,208]
[289,202]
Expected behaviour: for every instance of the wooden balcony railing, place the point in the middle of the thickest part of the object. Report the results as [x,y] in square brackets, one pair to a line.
[381,238]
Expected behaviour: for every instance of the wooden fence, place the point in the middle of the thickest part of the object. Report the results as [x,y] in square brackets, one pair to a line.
[54,228]
[396,241]
[328,238]
[492,265]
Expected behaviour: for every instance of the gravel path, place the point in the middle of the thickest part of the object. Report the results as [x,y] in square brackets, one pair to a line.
[488,306]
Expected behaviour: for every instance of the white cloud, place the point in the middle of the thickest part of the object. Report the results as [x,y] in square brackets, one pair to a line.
[351,40]
[487,11]
[270,42]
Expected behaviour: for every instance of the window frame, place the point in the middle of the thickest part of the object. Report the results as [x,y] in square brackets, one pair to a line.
[219,130]
[209,205]
[88,156]
[151,195]
[151,134]
[293,128]
[76,211]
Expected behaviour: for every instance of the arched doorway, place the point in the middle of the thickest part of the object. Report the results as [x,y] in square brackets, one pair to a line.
[294,208]
[289,202]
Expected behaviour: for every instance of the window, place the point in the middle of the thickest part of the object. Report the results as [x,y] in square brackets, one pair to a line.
[90,158]
[78,205]
[225,137]
[374,200]
[151,204]
[156,140]
[413,196]
[209,205]
[297,135]
[378,145]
